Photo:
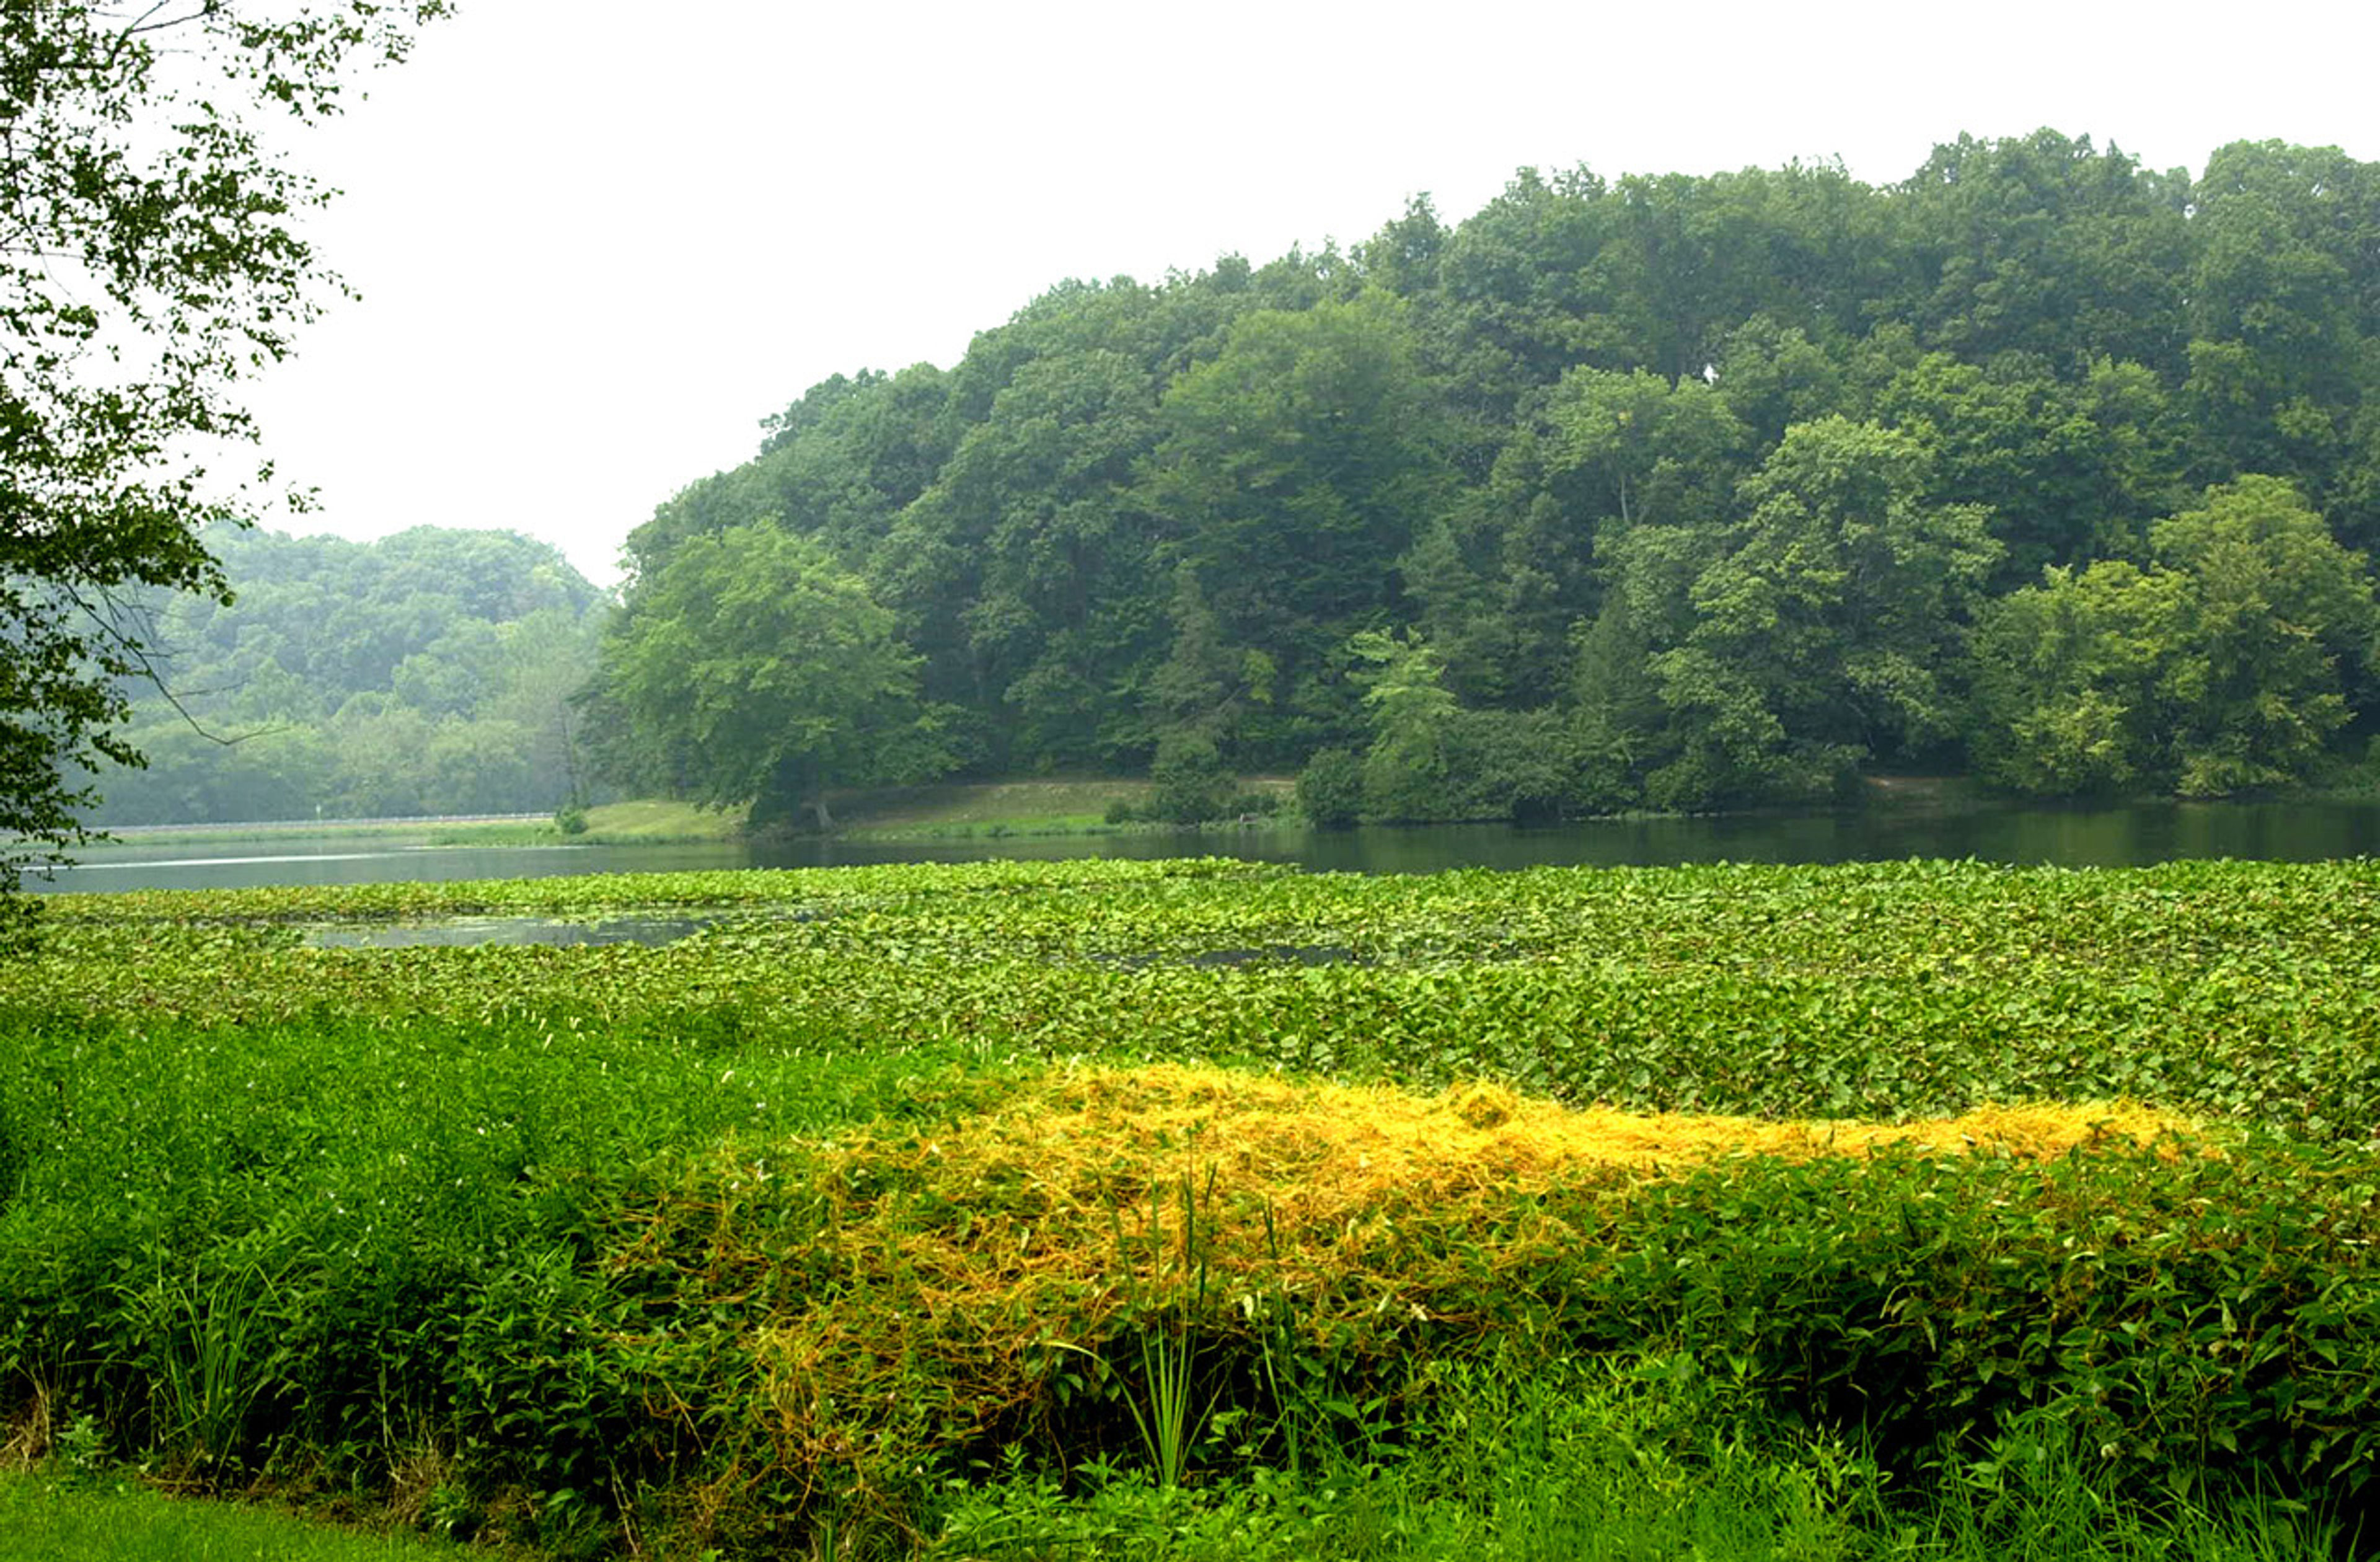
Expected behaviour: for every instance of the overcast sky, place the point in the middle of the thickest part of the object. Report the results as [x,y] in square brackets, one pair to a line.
[598,240]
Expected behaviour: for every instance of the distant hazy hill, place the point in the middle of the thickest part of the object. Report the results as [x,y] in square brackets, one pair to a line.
[427,673]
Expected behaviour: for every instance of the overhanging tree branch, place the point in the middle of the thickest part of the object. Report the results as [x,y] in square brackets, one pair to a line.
[148,265]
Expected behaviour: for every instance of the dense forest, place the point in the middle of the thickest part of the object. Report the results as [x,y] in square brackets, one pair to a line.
[428,673]
[1669,491]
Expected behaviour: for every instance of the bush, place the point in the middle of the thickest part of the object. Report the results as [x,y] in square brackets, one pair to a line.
[1407,785]
[1520,765]
[2182,1313]
[1252,805]
[1193,784]
[1330,789]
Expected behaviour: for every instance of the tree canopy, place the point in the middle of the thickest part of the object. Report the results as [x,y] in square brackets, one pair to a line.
[1681,490]
[760,672]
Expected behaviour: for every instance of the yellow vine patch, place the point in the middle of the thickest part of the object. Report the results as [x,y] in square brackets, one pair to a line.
[1037,1188]
[1319,1150]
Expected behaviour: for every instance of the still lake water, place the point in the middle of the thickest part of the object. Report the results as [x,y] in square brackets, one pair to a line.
[2128,835]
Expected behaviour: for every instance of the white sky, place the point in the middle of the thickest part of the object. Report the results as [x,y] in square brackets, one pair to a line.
[598,240]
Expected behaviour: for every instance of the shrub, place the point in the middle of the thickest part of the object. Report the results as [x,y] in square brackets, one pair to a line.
[1193,784]
[1330,789]
[1512,764]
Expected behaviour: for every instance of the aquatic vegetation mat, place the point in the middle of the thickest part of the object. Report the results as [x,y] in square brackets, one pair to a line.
[2246,992]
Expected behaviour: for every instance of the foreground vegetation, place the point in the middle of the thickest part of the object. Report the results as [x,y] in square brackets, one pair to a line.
[1207,1209]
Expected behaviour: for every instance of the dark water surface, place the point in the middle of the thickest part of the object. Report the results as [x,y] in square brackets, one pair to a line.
[2128,836]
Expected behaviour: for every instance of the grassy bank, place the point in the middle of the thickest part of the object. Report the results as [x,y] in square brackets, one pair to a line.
[957,811]
[1038,805]
[642,822]
[1113,1209]
[953,810]
[379,832]
[993,810]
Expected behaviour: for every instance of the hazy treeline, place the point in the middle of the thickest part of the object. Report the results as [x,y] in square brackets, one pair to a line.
[427,673]
[1681,490]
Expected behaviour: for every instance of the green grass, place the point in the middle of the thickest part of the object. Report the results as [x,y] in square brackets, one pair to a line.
[1574,1460]
[44,1518]
[658,822]
[1743,1508]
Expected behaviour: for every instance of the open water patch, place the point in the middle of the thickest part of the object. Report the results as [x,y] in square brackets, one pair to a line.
[1249,954]
[462,932]
[1280,954]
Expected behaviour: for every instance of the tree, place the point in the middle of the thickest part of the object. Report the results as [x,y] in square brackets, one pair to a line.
[1294,469]
[2068,679]
[2225,667]
[2280,627]
[1792,643]
[765,674]
[1404,770]
[1198,685]
[2044,246]
[1635,448]
[2073,472]
[1021,565]
[2282,308]
[482,630]
[149,263]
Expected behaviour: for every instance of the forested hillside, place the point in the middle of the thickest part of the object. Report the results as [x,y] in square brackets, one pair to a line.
[1669,491]
[427,672]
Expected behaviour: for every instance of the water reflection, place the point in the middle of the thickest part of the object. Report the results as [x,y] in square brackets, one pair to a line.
[2128,835]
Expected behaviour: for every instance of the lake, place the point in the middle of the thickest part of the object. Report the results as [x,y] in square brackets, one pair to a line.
[2115,837]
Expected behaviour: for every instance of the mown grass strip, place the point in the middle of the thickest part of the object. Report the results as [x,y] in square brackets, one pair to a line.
[45,1519]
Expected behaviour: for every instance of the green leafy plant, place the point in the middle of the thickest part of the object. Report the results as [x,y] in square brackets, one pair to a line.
[1170,1414]
[203,1366]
